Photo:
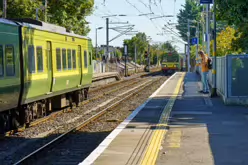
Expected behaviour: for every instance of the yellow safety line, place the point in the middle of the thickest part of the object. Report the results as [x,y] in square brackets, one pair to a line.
[152,150]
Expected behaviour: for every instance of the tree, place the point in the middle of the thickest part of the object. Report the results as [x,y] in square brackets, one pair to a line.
[192,11]
[235,13]
[225,41]
[193,51]
[69,14]
[118,53]
[140,40]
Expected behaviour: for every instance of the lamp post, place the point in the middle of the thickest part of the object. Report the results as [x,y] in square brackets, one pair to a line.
[96,39]
[4,8]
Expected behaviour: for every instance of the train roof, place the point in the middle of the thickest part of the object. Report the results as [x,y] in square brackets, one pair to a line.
[6,21]
[35,24]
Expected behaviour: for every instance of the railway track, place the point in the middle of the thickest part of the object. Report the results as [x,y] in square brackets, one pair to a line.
[76,133]
[96,92]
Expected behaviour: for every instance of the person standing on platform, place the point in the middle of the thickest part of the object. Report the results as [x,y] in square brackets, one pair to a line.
[204,68]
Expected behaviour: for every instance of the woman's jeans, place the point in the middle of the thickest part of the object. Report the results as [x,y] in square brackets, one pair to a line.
[205,82]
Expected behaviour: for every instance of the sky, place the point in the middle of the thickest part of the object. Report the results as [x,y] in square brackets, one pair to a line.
[132,9]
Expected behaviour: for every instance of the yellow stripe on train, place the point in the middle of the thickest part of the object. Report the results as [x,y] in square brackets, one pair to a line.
[170,64]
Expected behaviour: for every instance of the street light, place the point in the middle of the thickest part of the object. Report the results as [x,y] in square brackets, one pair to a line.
[96,38]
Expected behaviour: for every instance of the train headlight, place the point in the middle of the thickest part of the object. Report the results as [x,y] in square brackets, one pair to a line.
[175,66]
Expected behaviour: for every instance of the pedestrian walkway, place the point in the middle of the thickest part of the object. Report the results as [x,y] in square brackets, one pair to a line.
[204,131]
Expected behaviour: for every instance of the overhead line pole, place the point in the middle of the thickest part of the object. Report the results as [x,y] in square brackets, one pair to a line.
[4,8]
[45,11]
[214,89]
[188,57]
[107,39]
[135,57]
[207,30]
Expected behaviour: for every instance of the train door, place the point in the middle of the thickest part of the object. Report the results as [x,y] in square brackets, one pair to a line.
[49,64]
[80,63]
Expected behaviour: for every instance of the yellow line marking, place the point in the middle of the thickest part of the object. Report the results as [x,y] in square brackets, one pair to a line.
[152,150]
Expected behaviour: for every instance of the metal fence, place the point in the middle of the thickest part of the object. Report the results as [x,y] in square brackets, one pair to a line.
[98,67]
[231,78]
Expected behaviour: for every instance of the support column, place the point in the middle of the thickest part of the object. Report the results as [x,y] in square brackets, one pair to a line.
[214,88]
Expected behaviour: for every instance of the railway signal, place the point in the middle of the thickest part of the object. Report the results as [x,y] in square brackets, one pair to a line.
[146,54]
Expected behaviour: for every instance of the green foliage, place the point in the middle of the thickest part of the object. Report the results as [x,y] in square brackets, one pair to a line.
[235,13]
[140,40]
[156,50]
[224,42]
[193,50]
[191,10]
[69,14]
[118,53]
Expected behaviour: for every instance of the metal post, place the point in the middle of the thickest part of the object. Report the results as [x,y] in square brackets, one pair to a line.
[198,38]
[135,57]
[125,54]
[4,8]
[186,57]
[96,43]
[148,57]
[207,30]
[188,46]
[37,14]
[125,65]
[107,38]
[214,89]
[45,11]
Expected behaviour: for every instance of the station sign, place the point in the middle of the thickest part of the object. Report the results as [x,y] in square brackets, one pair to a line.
[194,41]
[206,1]
[125,49]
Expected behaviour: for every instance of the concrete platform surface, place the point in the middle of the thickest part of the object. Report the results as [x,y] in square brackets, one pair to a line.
[178,126]
[203,131]
[128,143]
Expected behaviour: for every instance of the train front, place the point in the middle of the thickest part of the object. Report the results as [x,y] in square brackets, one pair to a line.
[170,63]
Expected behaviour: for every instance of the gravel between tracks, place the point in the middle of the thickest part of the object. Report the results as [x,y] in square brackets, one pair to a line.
[28,136]
[79,145]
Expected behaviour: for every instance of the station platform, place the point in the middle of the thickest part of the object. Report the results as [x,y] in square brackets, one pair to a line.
[178,126]
[104,78]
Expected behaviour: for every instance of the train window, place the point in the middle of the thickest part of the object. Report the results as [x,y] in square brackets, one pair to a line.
[74,59]
[31,59]
[64,59]
[39,54]
[85,59]
[69,58]
[90,58]
[9,60]
[1,61]
[58,59]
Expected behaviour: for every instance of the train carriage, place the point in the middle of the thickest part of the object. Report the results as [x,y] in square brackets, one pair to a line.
[171,63]
[42,67]
[10,81]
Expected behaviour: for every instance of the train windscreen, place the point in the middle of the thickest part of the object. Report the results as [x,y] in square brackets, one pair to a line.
[170,58]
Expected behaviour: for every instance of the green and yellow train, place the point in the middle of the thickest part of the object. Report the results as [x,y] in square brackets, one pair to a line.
[42,67]
[171,62]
